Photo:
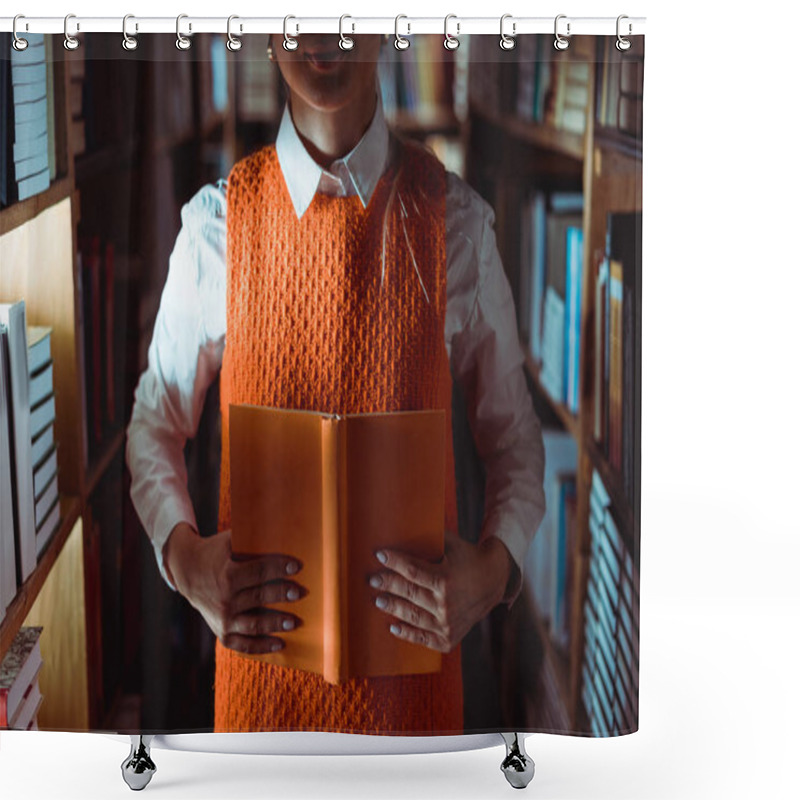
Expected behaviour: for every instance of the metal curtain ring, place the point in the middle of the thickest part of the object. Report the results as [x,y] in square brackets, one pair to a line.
[451,42]
[19,43]
[289,43]
[129,42]
[182,42]
[507,42]
[623,44]
[233,44]
[345,42]
[400,42]
[561,43]
[70,42]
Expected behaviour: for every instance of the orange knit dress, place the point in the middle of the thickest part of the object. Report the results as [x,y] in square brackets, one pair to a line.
[316,320]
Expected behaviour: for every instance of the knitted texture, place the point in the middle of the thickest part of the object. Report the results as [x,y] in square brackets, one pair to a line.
[341,311]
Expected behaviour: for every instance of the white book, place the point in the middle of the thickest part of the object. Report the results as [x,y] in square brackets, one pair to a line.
[44,473]
[35,184]
[39,352]
[553,345]
[30,130]
[8,550]
[26,74]
[31,166]
[28,112]
[41,445]
[28,148]
[28,710]
[41,384]
[42,415]
[29,92]
[12,315]
[47,529]
[46,501]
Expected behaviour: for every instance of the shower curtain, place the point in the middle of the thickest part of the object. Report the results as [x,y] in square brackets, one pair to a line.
[320,384]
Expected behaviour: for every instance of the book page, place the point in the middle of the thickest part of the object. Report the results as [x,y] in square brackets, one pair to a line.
[395,498]
[276,505]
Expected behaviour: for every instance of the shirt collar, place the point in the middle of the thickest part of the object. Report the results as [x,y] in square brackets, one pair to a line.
[363,165]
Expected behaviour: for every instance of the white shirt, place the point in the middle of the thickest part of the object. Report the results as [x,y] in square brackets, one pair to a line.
[185,353]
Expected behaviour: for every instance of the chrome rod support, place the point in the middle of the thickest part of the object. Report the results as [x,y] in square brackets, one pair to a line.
[517,766]
[138,768]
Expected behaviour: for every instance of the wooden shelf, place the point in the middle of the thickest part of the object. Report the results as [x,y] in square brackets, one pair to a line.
[567,418]
[535,133]
[558,660]
[107,159]
[15,215]
[27,593]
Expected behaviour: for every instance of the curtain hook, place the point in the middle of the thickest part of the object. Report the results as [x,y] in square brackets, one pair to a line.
[70,42]
[289,42]
[345,42]
[129,42]
[623,44]
[19,43]
[561,43]
[234,43]
[400,42]
[451,42]
[507,42]
[182,42]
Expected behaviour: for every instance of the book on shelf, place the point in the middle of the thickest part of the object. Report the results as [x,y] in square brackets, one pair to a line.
[548,583]
[12,315]
[419,89]
[27,110]
[566,510]
[617,348]
[551,290]
[18,673]
[619,90]
[8,547]
[611,613]
[335,489]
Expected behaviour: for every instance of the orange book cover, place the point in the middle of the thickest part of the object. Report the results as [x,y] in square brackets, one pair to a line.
[331,490]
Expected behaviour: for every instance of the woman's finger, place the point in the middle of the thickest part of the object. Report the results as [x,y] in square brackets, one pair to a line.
[402,630]
[413,614]
[416,570]
[260,569]
[253,645]
[266,594]
[402,587]
[261,622]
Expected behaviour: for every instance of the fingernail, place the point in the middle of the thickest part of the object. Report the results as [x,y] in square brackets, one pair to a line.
[381,556]
[395,629]
[381,602]
[375,582]
[292,567]
[288,624]
[292,594]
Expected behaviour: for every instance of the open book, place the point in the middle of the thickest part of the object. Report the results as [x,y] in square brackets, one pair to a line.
[330,491]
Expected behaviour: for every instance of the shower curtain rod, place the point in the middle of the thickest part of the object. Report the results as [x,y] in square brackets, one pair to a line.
[296,25]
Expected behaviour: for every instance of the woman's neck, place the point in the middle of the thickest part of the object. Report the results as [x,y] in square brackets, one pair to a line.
[328,135]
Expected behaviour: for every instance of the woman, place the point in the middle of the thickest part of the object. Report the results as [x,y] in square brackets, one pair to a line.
[344,271]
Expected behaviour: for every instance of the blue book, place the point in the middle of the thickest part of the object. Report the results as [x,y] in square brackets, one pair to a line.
[572,325]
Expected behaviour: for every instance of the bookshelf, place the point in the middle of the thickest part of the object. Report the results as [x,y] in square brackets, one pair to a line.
[509,154]
[77,585]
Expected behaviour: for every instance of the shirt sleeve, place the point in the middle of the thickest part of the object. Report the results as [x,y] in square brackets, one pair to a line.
[184,356]
[487,360]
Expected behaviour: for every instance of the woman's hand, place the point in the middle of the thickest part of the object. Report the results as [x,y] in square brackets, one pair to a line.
[232,595]
[436,604]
